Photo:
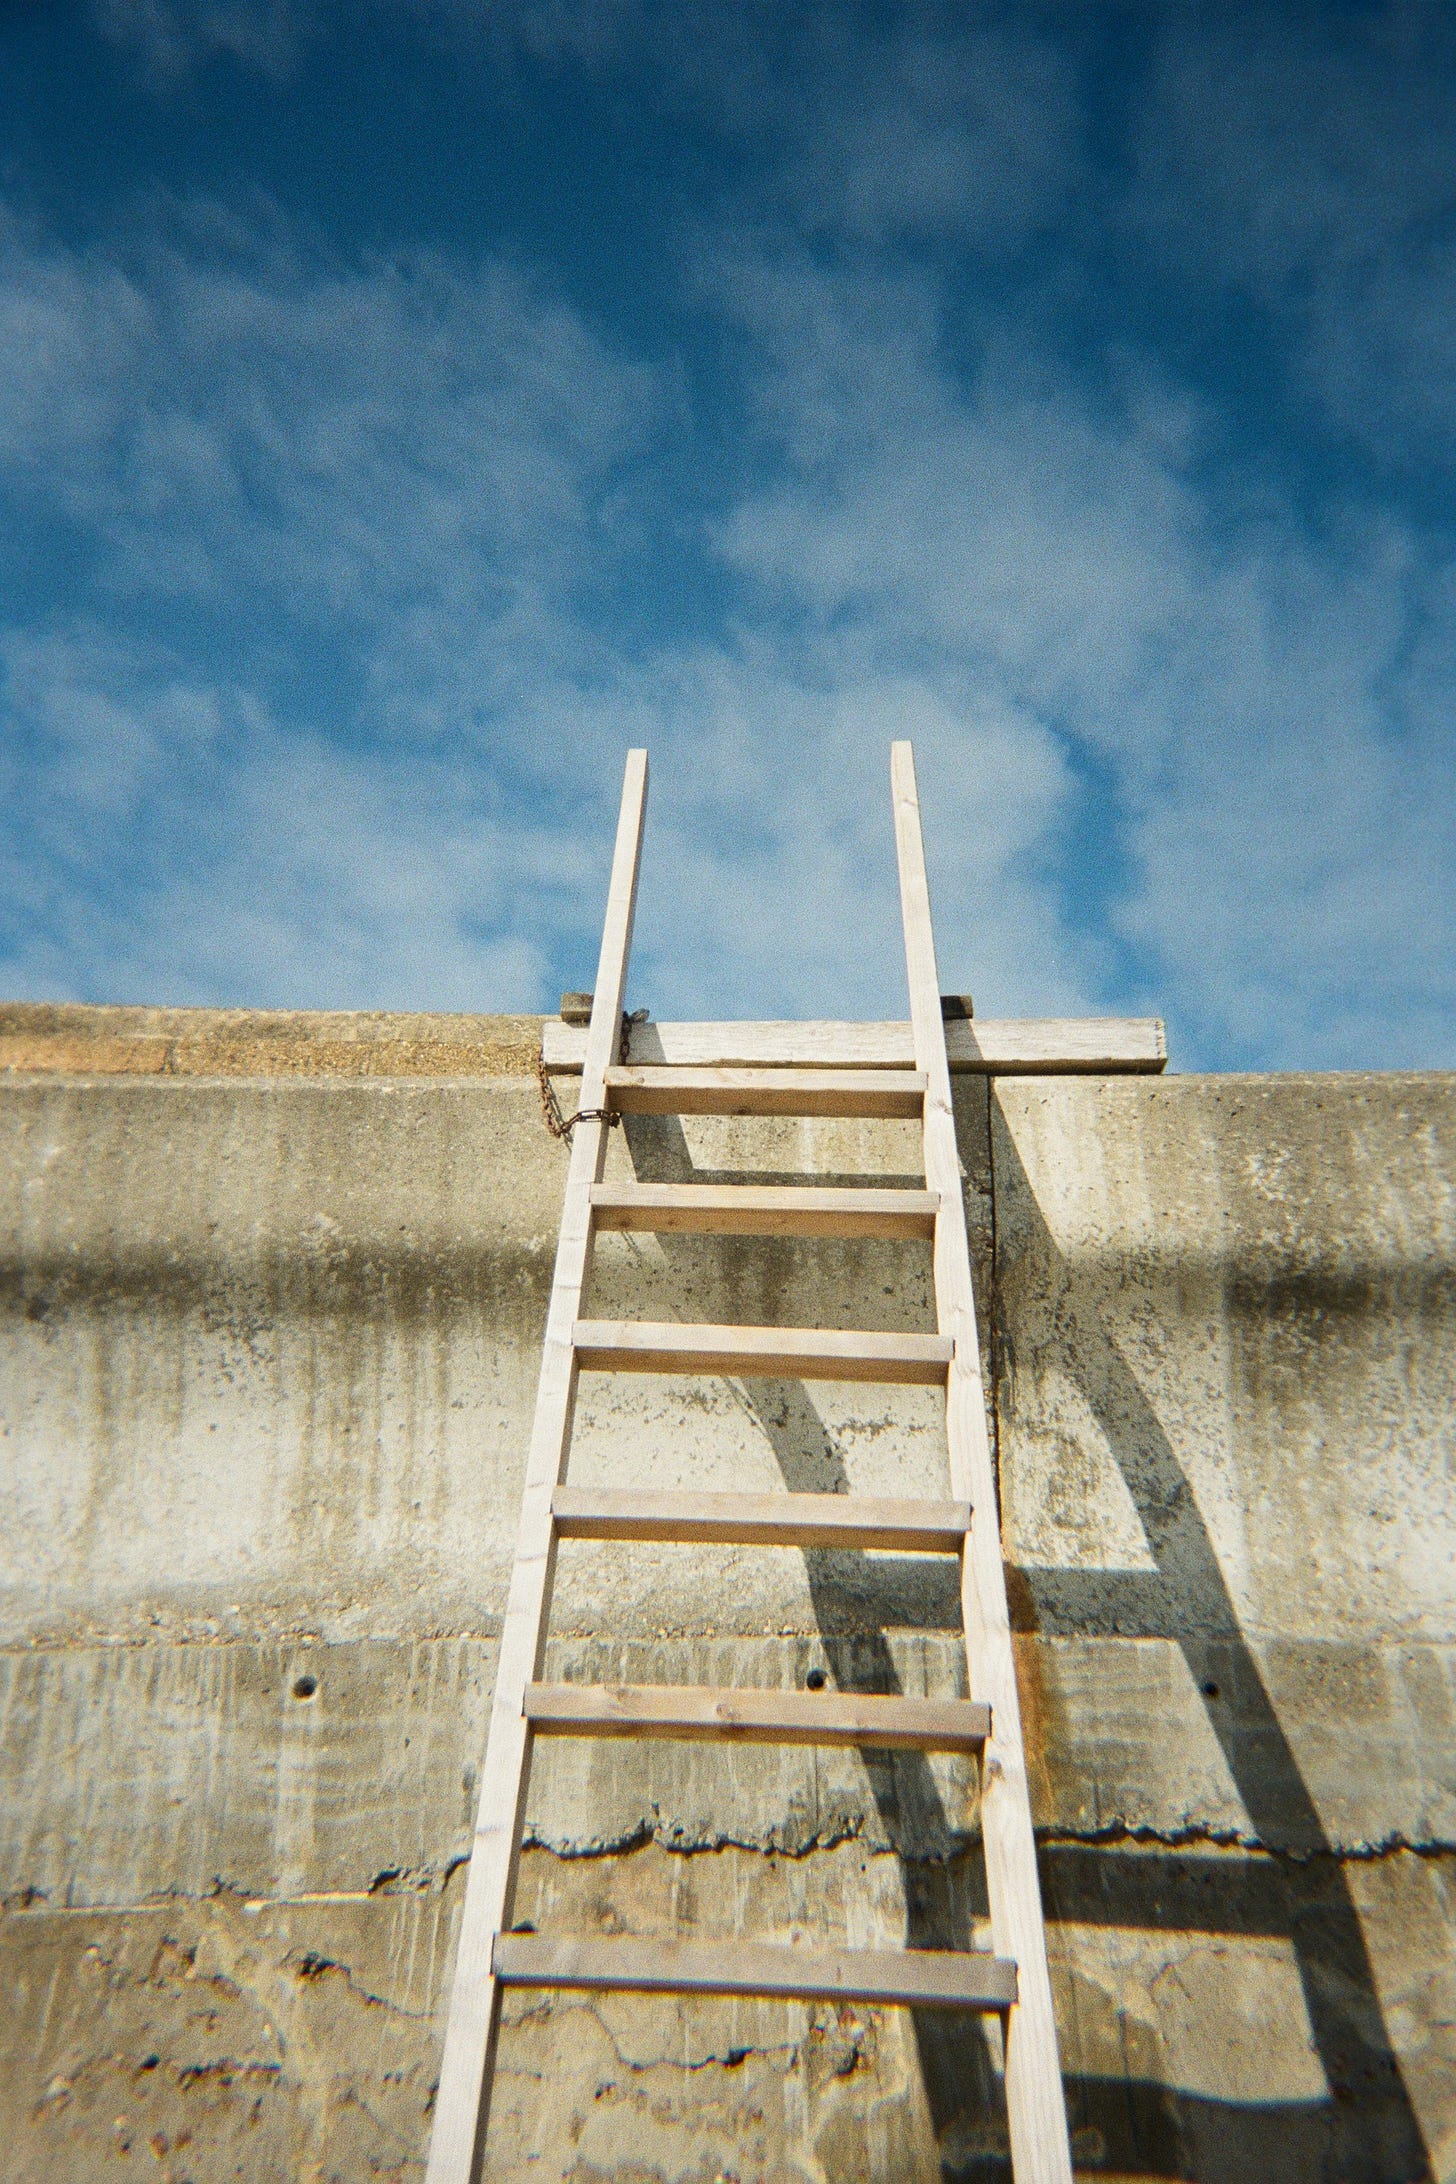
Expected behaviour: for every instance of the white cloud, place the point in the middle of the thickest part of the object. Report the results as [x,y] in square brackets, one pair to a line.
[168,841]
[336,715]
[397,472]
[1285,789]
[1309,161]
[973,134]
[421,471]
[164,839]
[171,37]
[222,411]
[769,884]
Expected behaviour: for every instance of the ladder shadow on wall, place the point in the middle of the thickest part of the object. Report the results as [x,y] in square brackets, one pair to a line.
[1365,2131]
[942,1873]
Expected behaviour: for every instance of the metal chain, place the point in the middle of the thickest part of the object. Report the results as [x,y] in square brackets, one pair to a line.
[561,1126]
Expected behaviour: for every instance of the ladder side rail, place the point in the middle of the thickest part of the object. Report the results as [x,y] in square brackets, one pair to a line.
[1036,2105]
[462,2104]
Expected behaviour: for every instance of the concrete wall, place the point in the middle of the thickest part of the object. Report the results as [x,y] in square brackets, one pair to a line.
[272,1293]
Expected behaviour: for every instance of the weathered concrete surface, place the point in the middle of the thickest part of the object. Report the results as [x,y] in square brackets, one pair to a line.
[1225,1344]
[269,1345]
[267,1359]
[69,1036]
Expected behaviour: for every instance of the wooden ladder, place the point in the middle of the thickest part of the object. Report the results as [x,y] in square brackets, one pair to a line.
[1012,1981]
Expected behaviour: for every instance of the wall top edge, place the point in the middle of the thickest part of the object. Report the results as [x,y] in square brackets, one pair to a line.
[81,1039]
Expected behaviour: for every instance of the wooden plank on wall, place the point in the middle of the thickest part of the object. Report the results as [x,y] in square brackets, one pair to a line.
[763,1209]
[1005,1046]
[762,1520]
[708,1714]
[792,1353]
[970,1979]
[663,1089]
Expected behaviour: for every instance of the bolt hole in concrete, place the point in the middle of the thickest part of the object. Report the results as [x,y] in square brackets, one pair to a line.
[815,1679]
[1210,1689]
[305,1686]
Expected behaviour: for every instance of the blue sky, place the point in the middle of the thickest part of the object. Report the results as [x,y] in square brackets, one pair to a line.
[410,404]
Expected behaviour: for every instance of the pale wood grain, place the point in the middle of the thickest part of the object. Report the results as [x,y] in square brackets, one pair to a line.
[755,1209]
[1036,2107]
[701,1712]
[770,1069]
[470,2033]
[670,1091]
[763,1520]
[972,1979]
[795,1353]
[998,1046]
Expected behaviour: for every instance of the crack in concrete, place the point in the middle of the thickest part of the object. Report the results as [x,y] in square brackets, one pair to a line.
[769,1844]
[407,2149]
[308,1965]
[552,2009]
[1194,1833]
[393,1881]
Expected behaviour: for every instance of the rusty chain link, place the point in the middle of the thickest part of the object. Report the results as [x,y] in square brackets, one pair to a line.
[561,1126]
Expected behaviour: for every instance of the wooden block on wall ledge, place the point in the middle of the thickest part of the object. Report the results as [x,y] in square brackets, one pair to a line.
[1031,1046]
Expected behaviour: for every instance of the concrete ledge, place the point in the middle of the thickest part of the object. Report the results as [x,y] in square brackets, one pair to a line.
[72,1038]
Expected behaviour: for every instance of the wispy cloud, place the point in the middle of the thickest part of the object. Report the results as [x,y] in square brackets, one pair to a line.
[339,516]
[171,37]
[168,838]
[1309,163]
[363,565]
[229,408]
[427,474]
[1250,690]
[973,136]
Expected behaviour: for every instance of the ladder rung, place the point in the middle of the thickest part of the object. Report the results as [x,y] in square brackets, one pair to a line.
[667,1091]
[889,1722]
[807,1353]
[764,1520]
[752,1209]
[956,1979]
